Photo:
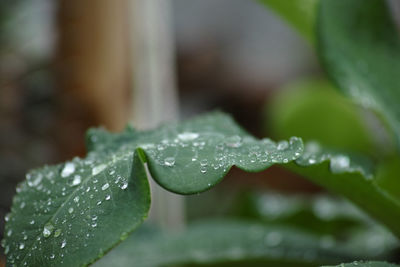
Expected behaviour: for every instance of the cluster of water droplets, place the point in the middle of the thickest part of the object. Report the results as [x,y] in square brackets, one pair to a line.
[314,154]
[211,151]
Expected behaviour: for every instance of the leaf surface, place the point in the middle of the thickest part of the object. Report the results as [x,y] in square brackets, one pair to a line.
[352,176]
[71,214]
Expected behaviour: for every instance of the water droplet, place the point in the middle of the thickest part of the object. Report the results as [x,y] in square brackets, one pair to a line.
[273,239]
[7,217]
[48,229]
[57,233]
[94,217]
[108,197]
[68,169]
[282,145]
[312,161]
[203,169]
[32,222]
[71,210]
[99,168]
[105,186]
[98,203]
[124,186]
[21,246]
[9,232]
[34,180]
[76,199]
[203,162]
[94,224]
[169,161]
[63,244]
[77,180]
[234,141]
[52,256]
[188,136]
[340,162]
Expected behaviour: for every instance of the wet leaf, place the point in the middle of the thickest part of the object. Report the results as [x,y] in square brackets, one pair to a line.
[73,213]
[352,176]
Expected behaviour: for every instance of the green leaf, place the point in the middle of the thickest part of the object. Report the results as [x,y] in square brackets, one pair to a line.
[195,155]
[331,218]
[314,110]
[73,213]
[319,214]
[351,176]
[301,14]
[367,264]
[359,46]
[227,243]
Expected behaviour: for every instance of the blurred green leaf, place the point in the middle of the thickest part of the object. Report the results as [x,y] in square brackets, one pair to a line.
[319,214]
[366,264]
[227,243]
[359,46]
[301,14]
[313,110]
[387,176]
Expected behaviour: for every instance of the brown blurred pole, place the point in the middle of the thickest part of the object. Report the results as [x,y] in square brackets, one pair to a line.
[92,65]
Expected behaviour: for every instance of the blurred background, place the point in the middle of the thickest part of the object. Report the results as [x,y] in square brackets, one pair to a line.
[68,65]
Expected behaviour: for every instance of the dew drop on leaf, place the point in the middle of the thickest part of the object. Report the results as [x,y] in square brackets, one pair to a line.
[169,161]
[234,141]
[77,180]
[203,169]
[203,162]
[48,229]
[188,136]
[339,163]
[124,186]
[57,233]
[69,168]
[105,186]
[282,145]
[99,168]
